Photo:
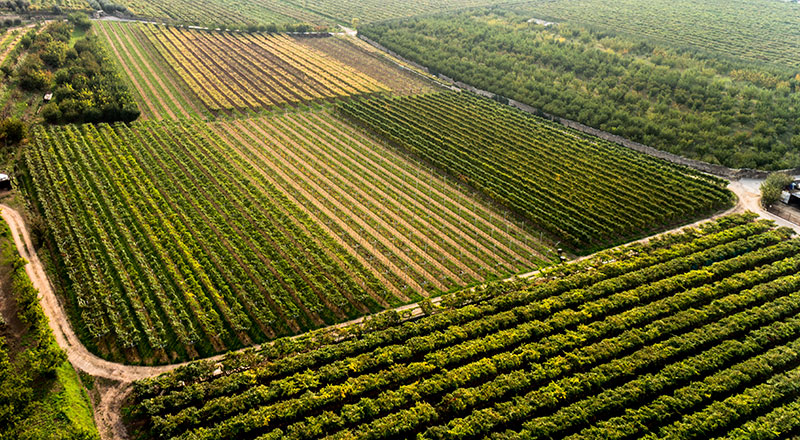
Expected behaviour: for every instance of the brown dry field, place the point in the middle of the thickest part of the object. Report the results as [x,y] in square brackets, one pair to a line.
[351,53]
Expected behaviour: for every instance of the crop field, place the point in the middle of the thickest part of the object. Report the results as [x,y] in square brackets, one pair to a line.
[160,92]
[761,30]
[179,242]
[695,335]
[231,71]
[171,252]
[415,231]
[367,11]
[224,13]
[366,59]
[587,192]
[38,5]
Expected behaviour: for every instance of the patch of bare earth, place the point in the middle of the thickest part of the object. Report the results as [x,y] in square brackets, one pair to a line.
[342,49]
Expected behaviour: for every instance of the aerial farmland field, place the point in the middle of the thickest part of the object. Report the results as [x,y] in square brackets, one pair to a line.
[174,69]
[236,238]
[255,219]
[695,336]
[580,190]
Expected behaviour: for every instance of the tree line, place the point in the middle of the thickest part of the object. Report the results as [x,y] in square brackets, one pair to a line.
[714,108]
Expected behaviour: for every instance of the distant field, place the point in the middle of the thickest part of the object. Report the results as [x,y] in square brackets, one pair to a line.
[160,92]
[692,336]
[182,73]
[366,11]
[230,71]
[366,59]
[180,240]
[587,192]
[763,30]
[233,13]
[733,112]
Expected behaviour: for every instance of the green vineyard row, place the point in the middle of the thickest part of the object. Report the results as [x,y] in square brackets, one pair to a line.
[694,335]
[183,239]
[582,190]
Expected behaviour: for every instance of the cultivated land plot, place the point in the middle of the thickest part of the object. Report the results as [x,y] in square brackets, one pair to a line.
[170,250]
[183,239]
[695,335]
[417,233]
[377,10]
[159,91]
[587,192]
[244,72]
[233,13]
[366,59]
[761,30]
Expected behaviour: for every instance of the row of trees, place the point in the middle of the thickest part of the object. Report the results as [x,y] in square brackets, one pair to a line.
[736,113]
[497,359]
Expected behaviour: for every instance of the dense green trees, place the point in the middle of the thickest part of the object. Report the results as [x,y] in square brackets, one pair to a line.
[34,366]
[687,336]
[736,113]
[86,86]
[772,187]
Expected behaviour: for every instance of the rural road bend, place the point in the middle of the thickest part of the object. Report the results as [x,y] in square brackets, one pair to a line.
[77,354]
[81,357]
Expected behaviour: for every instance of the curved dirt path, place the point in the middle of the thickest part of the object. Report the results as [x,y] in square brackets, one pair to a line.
[77,354]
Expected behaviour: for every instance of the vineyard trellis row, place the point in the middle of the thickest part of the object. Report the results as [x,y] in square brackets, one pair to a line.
[585,191]
[242,71]
[181,239]
[189,259]
[694,335]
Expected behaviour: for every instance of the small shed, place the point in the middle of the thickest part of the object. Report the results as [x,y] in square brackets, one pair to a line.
[5,182]
[48,96]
